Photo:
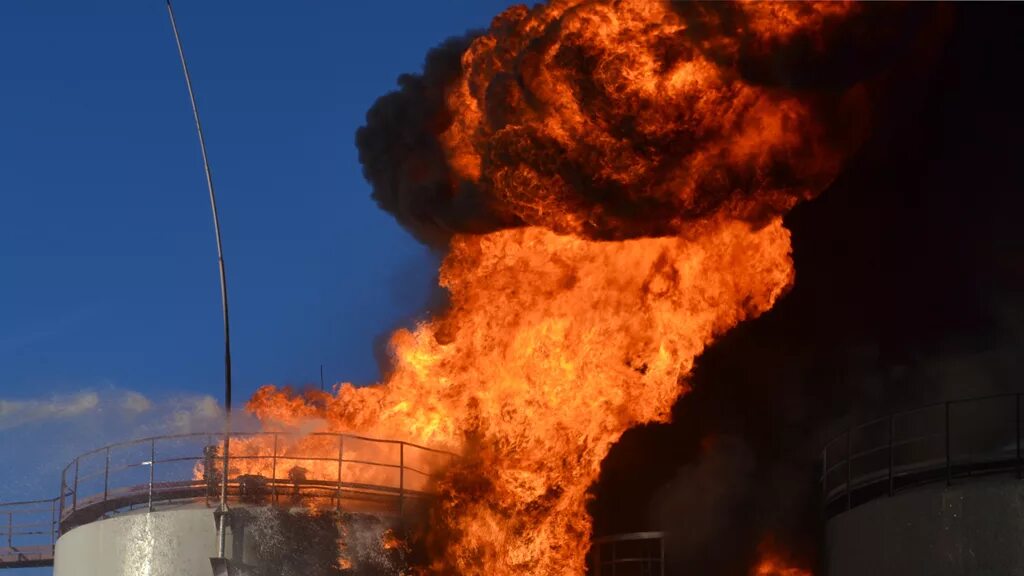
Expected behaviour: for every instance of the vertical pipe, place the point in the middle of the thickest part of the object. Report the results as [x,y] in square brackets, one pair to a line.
[401,480]
[1017,397]
[74,492]
[222,535]
[949,461]
[106,475]
[824,481]
[152,465]
[614,562]
[273,472]
[63,491]
[341,458]
[849,463]
[824,473]
[892,429]
[54,523]
[210,474]
[661,546]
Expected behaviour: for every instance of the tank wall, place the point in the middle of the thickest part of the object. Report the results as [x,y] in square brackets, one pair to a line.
[175,542]
[975,527]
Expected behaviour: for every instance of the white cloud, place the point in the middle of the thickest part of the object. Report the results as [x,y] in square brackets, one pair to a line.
[41,435]
[135,403]
[14,413]
[195,414]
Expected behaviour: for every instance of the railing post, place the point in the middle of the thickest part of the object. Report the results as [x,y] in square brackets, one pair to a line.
[892,430]
[273,472]
[949,461]
[106,476]
[401,480]
[54,523]
[1017,398]
[615,556]
[661,546]
[341,458]
[152,465]
[824,472]
[10,529]
[849,465]
[74,492]
[209,472]
[63,491]
[824,479]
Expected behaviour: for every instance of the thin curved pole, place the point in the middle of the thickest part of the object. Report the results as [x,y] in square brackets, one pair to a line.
[221,529]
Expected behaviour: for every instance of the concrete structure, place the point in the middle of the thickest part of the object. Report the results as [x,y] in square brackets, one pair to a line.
[971,528]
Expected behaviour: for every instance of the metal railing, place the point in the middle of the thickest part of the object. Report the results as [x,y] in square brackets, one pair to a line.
[266,468]
[28,532]
[632,554]
[940,442]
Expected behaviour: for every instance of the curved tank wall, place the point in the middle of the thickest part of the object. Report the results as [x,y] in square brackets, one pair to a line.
[975,527]
[169,542]
[179,540]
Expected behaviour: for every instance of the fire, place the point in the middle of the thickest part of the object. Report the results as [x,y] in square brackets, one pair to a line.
[775,567]
[614,203]
[553,347]
[772,563]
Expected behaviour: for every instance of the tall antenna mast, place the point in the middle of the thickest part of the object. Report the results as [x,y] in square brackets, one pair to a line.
[223,509]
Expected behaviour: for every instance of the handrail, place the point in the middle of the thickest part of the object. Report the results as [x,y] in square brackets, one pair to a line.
[111,479]
[988,442]
[147,439]
[73,474]
[28,532]
[609,554]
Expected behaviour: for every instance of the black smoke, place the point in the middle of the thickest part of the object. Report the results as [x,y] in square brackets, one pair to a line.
[909,290]
[910,271]
[403,159]
[669,153]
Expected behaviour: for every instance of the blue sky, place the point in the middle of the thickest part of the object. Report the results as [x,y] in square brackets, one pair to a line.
[109,276]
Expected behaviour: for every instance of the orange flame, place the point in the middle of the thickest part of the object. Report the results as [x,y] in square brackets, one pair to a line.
[773,564]
[775,567]
[583,316]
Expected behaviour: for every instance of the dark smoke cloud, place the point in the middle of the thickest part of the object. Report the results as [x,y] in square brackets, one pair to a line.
[834,56]
[402,158]
[700,504]
[909,267]
[910,271]
[640,165]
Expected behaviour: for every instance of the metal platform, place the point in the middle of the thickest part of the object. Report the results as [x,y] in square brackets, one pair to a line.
[946,442]
[632,554]
[357,474]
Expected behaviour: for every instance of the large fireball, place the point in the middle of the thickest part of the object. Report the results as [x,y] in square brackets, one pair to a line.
[610,192]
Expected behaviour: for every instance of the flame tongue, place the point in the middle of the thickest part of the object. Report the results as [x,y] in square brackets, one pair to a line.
[553,347]
[568,126]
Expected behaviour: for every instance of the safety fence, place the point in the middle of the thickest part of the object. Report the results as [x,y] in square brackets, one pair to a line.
[942,442]
[344,471]
[632,554]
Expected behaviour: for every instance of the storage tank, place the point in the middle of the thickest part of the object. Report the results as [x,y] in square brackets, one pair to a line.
[936,490]
[309,505]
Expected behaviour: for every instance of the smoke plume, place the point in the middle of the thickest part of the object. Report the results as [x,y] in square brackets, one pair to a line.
[589,119]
